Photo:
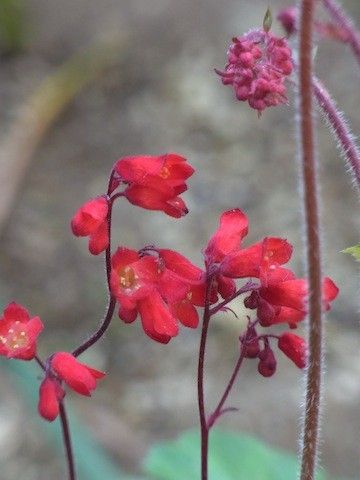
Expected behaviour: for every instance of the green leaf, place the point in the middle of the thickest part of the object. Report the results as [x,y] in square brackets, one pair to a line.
[232,456]
[354,251]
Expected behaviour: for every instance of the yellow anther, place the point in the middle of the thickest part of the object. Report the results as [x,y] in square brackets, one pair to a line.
[164,172]
[127,277]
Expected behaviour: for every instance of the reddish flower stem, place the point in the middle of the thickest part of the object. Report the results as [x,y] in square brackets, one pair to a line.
[312,407]
[339,127]
[201,400]
[40,362]
[95,337]
[67,441]
[346,24]
[219,409]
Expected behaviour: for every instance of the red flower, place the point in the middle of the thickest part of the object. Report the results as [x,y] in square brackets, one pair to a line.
[79,377]
[294,347]
[329,291]
[163,288]
[227,238]
[132,277]
[257,259]
[19,332]
[91,220]
[154,182]
[157,321]
[281,298]
[50,395]
[258,63]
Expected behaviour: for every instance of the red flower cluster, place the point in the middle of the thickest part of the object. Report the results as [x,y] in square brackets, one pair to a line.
[258,64]
[155,183]
[163,287]
[151,182]
[64,367]
[279,298]
[19,332]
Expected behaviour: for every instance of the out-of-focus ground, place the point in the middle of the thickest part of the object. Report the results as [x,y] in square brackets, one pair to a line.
[164,96]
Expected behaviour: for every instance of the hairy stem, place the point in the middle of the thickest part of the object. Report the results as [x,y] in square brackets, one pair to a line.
[67,441]
[310,188]
[346,24]
[339,126]
[201,397]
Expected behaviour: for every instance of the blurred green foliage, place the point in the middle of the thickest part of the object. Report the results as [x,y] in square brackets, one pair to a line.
[232,456]
[354,251]
[12,26]
[91,460]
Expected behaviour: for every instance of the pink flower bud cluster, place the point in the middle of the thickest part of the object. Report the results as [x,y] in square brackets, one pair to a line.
[258,64]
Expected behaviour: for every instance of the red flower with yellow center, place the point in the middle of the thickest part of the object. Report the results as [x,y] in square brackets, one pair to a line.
[19,332]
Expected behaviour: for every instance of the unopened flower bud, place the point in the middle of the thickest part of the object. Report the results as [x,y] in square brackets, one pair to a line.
[252,347]
[267,364]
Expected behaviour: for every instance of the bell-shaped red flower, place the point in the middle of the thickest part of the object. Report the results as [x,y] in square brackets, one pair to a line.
[50,396]
[257,259]
[155,182]
[19,332]
[294,348]
[227,238]
[132,277]
[91,221]
[79,377]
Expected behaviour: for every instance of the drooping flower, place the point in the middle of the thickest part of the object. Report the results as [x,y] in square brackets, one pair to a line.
[162,286]
[91,221]
[79,377]
[155,182]
[227,238]
[294,347]
[132,277]
[19,332]
[258,64]
[50,396]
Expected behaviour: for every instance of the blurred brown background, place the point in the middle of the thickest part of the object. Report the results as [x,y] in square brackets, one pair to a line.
[158,93]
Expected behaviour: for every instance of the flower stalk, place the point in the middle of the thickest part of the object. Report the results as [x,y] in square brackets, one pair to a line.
[340,128]
[346,24]
[311,207]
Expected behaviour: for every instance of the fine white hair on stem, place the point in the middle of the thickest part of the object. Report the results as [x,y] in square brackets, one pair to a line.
[339,126]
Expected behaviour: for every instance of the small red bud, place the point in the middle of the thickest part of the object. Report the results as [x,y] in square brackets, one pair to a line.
[265,312]
[267,364]
[252,347]
[252,300]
